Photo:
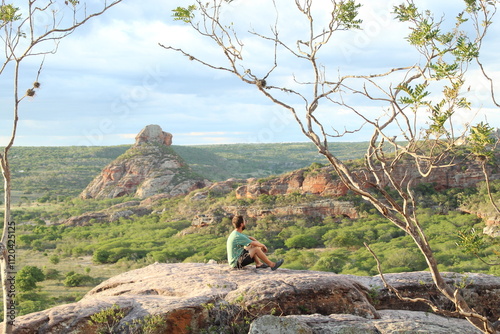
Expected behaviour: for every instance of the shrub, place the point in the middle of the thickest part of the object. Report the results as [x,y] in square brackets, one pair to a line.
[331,261]
[54,259]
[101,256]
[51,273]
[404,259]
[301,241]
[74,279]
[29,302]
[345,239]
[27,278]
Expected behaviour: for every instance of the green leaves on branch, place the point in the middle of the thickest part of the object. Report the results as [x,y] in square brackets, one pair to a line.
[482,141]
[446,54]
[427,36]
[470,241]
[415,96]
[405,13]
[465,50]
[9,13]
[443,70]
[472,6]
[346,13]
[184,14]
[441,111]
[451,102]
[439,116]
[424,33]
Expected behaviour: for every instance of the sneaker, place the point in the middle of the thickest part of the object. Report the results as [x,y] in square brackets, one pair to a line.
[262,266]
[278,264]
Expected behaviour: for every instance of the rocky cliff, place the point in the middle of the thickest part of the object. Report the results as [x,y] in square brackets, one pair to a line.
[193,297]
[323,181]
[148,168]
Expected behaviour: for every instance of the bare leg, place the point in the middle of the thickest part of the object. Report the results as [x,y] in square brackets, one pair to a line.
[258,254]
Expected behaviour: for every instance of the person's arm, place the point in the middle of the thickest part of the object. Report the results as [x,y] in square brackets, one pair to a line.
[255,243]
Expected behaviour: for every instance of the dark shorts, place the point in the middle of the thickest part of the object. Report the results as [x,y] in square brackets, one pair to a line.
[244,260]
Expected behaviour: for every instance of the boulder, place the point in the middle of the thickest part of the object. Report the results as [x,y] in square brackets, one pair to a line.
[191,297]
[153,134]
[481,291]
[390,322]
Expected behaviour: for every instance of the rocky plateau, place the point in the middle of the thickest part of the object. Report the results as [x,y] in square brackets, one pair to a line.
[194,297]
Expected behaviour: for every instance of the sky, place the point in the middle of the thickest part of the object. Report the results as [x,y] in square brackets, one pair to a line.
[111,78]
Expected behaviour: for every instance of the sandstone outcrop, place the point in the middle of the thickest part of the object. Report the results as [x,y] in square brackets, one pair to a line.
[192,296]
[323,181]
[148,168]
[153,134]
[319,182]
[323,207]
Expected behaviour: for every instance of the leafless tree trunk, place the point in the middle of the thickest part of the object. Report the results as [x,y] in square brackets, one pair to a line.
[417,103]
[22,39]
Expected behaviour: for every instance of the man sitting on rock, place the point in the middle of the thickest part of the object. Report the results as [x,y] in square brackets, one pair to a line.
[243,250]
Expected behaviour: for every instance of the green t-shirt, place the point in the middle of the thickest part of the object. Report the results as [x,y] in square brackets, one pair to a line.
[235,246]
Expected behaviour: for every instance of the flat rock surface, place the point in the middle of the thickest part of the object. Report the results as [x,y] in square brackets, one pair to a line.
[182,293]
[391,322]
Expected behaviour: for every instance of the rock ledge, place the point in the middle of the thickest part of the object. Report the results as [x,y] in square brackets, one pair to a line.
[180,293]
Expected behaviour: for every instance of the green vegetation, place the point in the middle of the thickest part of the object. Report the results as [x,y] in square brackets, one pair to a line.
[259,160]
[54,173]
[27,278]
[44,174]
[479,201]
[67,261]
[107,321]
[330,244]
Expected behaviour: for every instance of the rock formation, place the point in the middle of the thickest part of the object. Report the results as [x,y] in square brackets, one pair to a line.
[319,182]
[322,207]
[389,322]
[323,181]
[153,134]
[111,214]
[148,168]
[191,297]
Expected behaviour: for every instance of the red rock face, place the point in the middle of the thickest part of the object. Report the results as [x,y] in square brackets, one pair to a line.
[324,182]
[148,170]
[319,183]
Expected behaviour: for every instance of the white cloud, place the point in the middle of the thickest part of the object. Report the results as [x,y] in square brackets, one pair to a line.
[111,78]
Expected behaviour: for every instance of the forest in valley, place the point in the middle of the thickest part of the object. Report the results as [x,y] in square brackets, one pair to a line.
[59,263]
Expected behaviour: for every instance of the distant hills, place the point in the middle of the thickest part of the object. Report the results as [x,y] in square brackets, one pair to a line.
[66,171]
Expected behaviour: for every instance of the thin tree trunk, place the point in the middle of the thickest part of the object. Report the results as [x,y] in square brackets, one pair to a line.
[8,254]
